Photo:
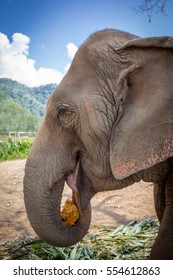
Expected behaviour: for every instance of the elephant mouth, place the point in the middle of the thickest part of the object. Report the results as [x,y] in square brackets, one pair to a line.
[81,186]
[71,179]
[70,211]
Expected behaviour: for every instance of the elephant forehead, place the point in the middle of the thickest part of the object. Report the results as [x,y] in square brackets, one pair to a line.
[80,81]
[74,91]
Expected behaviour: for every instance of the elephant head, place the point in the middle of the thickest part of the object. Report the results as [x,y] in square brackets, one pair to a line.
[108,124]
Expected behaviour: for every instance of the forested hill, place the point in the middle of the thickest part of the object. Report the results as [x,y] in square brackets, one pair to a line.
[22,107]
[32,99]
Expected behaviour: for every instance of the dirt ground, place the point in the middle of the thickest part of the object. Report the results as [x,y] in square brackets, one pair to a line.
[108,208]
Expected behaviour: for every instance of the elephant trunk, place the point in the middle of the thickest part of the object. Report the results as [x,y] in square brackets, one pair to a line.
[42,195]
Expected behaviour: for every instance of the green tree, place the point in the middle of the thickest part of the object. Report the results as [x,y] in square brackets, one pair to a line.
[14,117]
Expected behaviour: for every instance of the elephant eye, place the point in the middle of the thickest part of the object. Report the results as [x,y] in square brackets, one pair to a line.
[61,111]
[65,114]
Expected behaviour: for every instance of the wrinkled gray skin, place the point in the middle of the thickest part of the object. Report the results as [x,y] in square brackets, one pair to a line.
[107,125]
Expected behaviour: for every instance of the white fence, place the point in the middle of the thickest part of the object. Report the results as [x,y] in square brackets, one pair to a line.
[21,134]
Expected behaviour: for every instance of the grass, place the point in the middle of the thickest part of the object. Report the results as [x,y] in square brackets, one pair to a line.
[125,242]
[15,149]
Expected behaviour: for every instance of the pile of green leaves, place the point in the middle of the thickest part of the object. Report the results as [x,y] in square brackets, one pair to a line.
[125,242]
[14,149]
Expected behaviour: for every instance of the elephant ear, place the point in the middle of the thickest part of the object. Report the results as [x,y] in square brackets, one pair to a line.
[143,136]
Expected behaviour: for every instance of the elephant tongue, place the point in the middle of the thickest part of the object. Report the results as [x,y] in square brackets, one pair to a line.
[72,179]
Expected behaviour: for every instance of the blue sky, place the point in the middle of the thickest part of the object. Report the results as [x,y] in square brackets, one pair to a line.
[48,26]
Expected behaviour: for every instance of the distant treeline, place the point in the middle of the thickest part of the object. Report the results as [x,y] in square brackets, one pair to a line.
[21,107]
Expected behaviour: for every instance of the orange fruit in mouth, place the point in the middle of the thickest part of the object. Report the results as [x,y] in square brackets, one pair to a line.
[69,213]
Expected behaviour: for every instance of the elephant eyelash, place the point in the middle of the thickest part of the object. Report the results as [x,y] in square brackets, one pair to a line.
[61,112]
[65,115]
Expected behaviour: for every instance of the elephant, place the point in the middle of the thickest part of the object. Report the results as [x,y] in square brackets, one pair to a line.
[107,125]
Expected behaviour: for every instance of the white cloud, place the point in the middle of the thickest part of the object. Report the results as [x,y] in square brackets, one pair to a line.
[71,50]
[15,63]
[20,44]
